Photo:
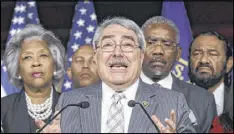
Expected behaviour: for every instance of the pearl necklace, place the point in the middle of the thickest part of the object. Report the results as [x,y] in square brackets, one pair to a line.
[40,111]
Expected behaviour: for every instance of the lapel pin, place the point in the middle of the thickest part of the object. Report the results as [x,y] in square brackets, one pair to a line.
[145,103]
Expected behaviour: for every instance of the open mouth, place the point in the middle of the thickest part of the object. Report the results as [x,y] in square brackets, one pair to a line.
[37,74]
[204,69]
[118,66]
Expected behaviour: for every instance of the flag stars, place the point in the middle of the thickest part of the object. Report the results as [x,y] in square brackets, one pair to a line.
[4,68]
[31,3]
[83,11]
[70,59]
[78,34]
[20,8]
[88,40]
[93,16]
[18,20]
[80,22]
[75,47]
[30,15]
[67,84]
[90,28]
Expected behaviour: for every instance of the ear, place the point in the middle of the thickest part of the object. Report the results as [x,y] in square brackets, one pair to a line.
[179,51]
[229,64]
[95,56]
[69,74]
[142,56]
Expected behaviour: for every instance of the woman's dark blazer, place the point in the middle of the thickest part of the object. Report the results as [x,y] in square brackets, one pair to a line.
[14,113]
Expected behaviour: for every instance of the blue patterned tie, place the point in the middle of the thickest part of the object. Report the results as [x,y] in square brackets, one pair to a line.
[115,122]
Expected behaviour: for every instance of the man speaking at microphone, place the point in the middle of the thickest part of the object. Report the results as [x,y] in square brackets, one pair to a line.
[119,51]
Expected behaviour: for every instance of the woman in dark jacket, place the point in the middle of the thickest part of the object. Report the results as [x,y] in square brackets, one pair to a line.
[35,59]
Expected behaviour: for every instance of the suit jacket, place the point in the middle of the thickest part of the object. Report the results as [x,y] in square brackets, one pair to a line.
[228,101]
[14,113]
[161,102]
[200,101]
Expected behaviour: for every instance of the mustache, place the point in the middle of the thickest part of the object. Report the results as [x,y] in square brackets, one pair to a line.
[204,65]
[117,61]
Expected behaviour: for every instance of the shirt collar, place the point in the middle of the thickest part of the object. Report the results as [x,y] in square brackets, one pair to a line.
[166,82]
[130,92]
[219,94]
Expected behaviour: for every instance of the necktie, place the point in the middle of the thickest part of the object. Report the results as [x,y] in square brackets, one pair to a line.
[115,122]
[156,84]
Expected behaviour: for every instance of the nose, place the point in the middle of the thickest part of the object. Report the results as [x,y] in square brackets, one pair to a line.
[117,50]
[204,58]
[86,64]
[36,63]
[158,49]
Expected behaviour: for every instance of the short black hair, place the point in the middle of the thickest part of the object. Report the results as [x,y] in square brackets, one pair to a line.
[228,50]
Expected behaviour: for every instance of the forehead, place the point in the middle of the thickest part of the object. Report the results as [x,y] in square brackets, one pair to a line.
[160,30]
[118,31]
[84,51]
[208,42]
[34,45]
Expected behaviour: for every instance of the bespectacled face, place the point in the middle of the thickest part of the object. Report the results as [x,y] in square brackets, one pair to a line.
[207,61]
[36,64]
[161,51]
[83,70]
[118,69]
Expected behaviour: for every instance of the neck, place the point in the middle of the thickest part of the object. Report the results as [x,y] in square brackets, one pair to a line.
[38,95]
[120,87]
[212,89]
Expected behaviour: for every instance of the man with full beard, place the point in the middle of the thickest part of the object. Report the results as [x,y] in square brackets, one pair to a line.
[162,51]
[210,65]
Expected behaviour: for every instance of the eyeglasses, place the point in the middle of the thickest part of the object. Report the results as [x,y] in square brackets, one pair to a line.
[166,44]
[111,47]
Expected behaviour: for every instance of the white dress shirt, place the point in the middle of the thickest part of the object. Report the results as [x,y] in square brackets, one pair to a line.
[166,82]
[219,98]
[107,93]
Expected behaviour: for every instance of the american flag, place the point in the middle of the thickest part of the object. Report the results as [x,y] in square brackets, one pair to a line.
[24,13]
[83,27]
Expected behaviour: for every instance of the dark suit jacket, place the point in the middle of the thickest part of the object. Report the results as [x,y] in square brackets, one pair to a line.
[14,113]
[228,101]
[200,101]
[161,102]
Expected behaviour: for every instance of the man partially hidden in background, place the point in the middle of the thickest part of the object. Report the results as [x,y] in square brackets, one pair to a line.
[210,65]
[162,51]
[83,71]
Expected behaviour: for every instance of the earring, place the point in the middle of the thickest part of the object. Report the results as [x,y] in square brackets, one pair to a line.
[19,77]
[55,73]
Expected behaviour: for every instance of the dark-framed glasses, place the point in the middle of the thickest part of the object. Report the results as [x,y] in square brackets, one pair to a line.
[110,47]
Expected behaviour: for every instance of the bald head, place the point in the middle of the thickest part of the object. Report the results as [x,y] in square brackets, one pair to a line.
[83,71]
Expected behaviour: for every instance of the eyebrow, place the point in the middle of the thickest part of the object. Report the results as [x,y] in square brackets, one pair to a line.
[128,37]
[107,36]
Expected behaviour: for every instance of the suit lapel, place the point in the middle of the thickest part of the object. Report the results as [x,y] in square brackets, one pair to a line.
[177,85]
[91,117]
[139,122]
[21,120]
[226,99]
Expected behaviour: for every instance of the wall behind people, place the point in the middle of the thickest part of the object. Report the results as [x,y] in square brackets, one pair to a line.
[202,15]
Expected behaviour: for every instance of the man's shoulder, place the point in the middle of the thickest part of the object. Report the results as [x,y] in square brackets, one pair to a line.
[193,89]
[161,90]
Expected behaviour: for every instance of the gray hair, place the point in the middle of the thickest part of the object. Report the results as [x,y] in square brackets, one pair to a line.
[13,48]
[162,20]
[122,21]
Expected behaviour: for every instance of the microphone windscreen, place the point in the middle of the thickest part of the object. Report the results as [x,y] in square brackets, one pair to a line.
[84,104]
[131,103]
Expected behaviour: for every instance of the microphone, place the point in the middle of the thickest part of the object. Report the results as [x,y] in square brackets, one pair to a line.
[133,103]
[83,105]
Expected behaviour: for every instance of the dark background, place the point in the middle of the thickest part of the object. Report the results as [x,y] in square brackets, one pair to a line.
[57,16]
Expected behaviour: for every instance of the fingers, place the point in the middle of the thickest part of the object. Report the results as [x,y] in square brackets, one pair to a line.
[173,116]
[170,125]
[56,121]
[39,123]
[158,123]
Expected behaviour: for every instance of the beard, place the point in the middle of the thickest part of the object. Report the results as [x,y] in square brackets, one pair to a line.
[206,82]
